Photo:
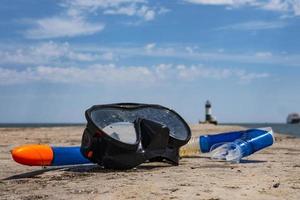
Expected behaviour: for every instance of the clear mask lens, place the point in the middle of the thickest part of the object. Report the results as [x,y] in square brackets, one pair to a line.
[105,117]
[122,131]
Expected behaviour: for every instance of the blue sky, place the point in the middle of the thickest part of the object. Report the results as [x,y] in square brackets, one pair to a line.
[57,58]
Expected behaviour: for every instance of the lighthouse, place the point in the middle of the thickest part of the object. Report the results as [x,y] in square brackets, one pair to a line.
[208,111]
[209,119]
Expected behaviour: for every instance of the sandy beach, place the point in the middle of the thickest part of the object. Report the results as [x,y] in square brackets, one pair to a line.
[273,173]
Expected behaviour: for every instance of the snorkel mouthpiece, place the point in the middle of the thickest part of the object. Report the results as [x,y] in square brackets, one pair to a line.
[251,141]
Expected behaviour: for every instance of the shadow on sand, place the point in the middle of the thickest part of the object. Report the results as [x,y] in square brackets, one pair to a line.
[252,161]
[91,168]
[33,174]
[94,168]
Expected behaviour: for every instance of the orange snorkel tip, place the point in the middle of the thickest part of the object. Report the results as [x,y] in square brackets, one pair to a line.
[33,155]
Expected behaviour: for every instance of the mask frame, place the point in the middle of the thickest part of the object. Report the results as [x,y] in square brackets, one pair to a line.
[159,127]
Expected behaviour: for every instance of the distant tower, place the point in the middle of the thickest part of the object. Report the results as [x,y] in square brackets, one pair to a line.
[208,116]
[209,119]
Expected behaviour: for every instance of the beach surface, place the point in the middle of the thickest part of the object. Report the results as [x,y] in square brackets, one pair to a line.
[273,173]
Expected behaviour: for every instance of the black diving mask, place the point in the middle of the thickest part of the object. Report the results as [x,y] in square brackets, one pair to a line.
[125,135]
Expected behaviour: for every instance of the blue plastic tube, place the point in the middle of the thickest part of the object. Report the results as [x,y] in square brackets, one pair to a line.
[230,146]
[207,141]
[250,142]
[259,138]
[68,156]
[45,155]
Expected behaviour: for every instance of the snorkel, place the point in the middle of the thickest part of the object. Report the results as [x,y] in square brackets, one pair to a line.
[123,136]
[231,146]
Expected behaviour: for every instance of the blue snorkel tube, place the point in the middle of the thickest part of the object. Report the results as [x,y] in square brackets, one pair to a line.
[207,141]
[232,146]
[250,142]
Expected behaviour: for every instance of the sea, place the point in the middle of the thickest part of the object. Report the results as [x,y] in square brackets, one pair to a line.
[288,129]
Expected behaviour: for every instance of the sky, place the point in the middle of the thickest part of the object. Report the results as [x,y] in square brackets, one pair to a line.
[59,57]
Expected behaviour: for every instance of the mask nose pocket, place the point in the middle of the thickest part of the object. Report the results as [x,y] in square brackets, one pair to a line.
[155,139]
[154,136]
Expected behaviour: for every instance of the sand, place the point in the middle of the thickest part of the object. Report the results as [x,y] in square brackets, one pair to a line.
[273,173]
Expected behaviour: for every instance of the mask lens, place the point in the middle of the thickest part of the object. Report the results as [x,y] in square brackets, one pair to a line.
[105,117]
[122,131]
[166,117]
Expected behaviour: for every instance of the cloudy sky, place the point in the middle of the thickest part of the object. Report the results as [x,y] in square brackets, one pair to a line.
[59,57]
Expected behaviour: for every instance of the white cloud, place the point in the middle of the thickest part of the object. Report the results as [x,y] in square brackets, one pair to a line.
[276,5]
[111,74]
[145,12]
[195,54]
[245,77]
[55,27]
[198,71]
[129,10]
[150,47]
[224,2]
[296,7]
[51,52]
[73,20]
[64,54]
[255,25]
[211,2]
[138,8]
[282,6]
[191,49]
[92,74]
[263,54]
[108,56]
[94,4]
[163,10]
